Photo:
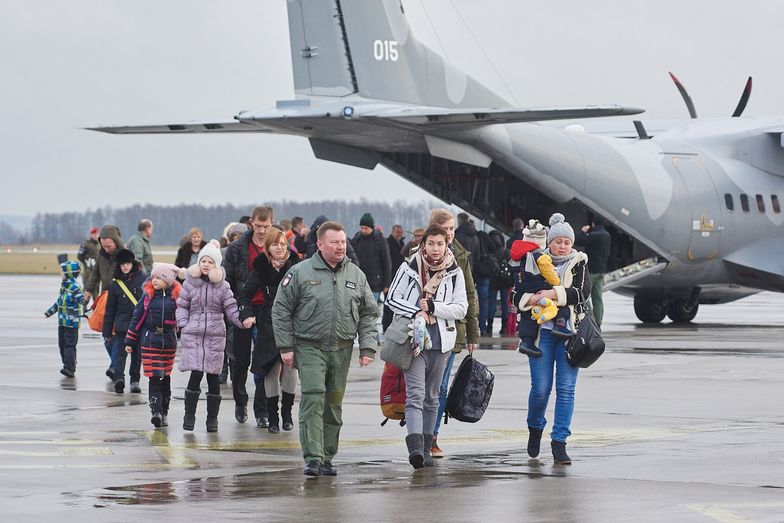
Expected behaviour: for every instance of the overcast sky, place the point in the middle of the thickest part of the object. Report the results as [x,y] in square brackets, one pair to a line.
[68,65]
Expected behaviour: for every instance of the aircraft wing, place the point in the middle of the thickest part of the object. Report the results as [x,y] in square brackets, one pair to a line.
[433,117]
[223,127]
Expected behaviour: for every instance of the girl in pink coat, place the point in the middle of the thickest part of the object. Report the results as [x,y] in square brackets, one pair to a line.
[206,297]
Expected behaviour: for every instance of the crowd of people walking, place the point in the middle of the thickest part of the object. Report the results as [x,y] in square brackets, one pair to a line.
[286,303]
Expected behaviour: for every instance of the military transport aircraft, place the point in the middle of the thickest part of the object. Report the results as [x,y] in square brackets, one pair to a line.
[695,208]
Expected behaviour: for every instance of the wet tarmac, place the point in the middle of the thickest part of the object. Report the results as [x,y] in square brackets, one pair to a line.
[674,423]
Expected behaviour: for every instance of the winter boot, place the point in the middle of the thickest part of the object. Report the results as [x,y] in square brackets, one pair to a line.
[559,453]
[165,400]
[272,410]
[416,451]
[285,411]
[191,400]
[534,439]
[526,346]
[213,407]
[155,408]
[428,445]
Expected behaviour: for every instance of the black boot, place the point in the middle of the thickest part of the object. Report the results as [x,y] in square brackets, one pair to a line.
[165,400]
[416,451]
[191,400]
[213,407]
[155,407]
[534,439]
[272,410]
[238,379]
[285,411]
[428,444]
[559,453]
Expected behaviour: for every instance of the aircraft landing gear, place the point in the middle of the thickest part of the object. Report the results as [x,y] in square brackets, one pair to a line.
[682,311]
[649,310]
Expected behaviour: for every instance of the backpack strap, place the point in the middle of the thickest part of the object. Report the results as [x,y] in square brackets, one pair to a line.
[127,292]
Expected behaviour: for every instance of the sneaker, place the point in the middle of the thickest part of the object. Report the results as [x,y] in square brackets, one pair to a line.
[312,468]
[157,419]
[68,373]
[527,348]
[262,422]
[328,469]
[164,420]
[135,388]
[119,386]
[241,413]
[435,451]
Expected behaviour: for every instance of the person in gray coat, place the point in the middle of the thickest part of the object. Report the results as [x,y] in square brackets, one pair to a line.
[206,297]
[139,245]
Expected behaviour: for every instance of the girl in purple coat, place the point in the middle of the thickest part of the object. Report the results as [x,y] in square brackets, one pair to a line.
[206,297]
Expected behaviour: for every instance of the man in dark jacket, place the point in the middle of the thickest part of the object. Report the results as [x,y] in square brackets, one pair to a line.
[310,241]
[373,253]
[596,241]
[238,264]
[517,232]
[465,234]
[396,244]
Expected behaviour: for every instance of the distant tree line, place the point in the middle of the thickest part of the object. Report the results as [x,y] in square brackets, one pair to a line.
[172,222]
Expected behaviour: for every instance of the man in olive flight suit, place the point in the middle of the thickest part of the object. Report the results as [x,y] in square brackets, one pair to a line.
[321,305]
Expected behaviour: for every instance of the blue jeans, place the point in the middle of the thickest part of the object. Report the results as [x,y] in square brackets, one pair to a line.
[491,305]
[443,391]
[553,354]
[119,357]
[485,313]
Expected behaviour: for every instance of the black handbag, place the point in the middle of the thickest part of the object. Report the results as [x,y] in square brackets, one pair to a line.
[585,347]
[470,392]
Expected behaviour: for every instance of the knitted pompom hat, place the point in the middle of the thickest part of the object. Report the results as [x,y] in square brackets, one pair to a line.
[559,228]
[212,249]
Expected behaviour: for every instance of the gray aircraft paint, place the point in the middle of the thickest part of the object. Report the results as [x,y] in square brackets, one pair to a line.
[368,86]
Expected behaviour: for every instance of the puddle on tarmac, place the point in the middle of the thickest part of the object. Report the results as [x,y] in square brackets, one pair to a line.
[359,478]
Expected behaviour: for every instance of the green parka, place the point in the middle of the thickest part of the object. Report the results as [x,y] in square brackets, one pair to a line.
[324,308]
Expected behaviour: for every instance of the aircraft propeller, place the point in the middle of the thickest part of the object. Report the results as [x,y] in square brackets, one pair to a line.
[744,97]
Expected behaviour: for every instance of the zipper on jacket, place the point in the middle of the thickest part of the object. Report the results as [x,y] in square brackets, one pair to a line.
[334,307]
[204,334]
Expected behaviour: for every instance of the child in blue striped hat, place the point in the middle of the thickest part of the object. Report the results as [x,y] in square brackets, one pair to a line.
[69,309]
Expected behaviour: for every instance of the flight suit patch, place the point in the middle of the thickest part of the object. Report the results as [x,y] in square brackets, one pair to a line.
[351,285]
[286,280]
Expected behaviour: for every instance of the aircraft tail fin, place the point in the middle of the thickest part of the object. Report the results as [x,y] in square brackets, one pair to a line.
[365,48]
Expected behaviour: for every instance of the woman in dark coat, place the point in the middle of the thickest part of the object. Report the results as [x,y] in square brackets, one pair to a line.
[188,254]
[117,317]
[268,271]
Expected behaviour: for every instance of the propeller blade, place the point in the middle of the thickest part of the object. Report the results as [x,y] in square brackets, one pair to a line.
[744,99]
[685,96]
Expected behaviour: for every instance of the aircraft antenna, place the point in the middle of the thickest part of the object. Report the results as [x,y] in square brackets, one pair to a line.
[489,60]
[435,31]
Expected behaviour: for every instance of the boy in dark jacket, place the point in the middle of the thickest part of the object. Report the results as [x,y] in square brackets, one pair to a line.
[69,309]
[534,271]
[125,292]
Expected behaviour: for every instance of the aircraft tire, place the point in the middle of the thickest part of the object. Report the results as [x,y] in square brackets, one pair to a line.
[681,312]
[649,311]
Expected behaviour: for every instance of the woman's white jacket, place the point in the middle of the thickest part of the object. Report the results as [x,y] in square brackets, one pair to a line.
[450,302]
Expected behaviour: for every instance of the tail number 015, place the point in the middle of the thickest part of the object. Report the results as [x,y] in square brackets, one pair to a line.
[385,50]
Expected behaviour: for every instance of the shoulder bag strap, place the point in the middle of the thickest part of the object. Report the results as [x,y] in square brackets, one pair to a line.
[127,292]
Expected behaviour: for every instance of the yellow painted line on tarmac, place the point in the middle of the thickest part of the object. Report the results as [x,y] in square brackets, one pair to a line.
[88,451]
[60,442]
[728,512]
[175,456]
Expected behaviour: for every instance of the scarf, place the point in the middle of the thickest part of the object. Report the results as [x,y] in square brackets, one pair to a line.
[558,260]
[425,266]
[278,264]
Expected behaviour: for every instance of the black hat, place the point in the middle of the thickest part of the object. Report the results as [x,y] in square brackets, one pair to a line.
[125,256]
